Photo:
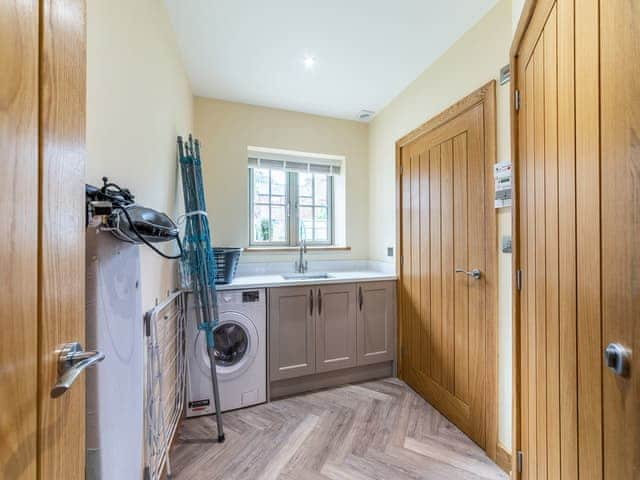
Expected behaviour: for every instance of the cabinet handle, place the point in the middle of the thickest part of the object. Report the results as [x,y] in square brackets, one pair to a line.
[319,302]
[360,299]
[311,302]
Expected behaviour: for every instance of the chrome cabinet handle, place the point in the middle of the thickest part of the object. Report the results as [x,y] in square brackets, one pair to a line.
[311,302]
[72,360]
[475,273]
[319,302]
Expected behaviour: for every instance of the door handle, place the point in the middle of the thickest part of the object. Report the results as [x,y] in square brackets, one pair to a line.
[311,302]
[618,359]
[319,302]
[72,360]
[360,299]
[475,273]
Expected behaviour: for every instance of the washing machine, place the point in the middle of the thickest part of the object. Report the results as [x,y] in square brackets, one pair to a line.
[241,353]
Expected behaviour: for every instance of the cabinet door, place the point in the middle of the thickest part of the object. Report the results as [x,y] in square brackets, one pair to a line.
[376,322]
[336,327]
[291,332]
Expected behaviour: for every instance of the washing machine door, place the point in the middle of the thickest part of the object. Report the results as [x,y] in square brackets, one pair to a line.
[236,346]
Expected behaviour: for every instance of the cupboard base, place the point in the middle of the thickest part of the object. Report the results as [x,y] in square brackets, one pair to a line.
[307,383]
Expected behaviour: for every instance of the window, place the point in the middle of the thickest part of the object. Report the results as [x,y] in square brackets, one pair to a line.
[291,200]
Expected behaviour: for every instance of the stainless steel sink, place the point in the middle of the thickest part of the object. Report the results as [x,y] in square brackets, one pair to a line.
[306,276]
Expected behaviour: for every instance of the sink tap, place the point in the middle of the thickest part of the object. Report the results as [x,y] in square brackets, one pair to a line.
[302,265]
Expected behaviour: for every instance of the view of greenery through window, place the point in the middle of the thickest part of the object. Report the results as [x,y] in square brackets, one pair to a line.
[290,206]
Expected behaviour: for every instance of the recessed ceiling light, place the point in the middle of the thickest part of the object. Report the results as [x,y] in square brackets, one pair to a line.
[309,62]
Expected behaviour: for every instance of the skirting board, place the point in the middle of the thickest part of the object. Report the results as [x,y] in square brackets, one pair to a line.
[293,386]
[503,458]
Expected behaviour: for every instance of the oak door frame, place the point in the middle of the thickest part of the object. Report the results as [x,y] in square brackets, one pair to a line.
[485,95]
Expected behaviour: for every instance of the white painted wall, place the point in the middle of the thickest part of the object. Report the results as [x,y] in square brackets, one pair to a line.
[472,61]
[138,101]
[226,129]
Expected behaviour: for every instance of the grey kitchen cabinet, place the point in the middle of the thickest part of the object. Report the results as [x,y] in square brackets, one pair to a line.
[323,328]
[376,322]
[291,332]
[335,327]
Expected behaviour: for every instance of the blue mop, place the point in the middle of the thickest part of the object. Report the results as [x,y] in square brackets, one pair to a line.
[199,264]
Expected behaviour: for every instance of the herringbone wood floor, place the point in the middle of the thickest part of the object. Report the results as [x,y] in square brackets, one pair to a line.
[375,430]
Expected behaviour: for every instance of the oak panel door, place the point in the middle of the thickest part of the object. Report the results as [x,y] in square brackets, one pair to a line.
[620,184]
[558,180]
[544,281]
[577,178]
[19,247]
[42,130]
[335,327]
[62,232]
[376,322]
[442,311]
[292,349]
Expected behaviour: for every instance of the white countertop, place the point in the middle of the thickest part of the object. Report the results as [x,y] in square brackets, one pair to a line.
[276,280]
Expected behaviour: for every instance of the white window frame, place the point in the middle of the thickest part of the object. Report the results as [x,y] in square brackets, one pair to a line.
[292,213]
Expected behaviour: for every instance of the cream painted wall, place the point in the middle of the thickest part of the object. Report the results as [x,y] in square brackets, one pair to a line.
[226,129]
[516,11]
[473,60]
[138,101]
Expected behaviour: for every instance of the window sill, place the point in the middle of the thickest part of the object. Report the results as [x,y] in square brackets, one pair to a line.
[317,248]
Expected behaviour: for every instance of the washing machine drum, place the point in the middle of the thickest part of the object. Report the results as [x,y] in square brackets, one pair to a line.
[236,344]
[232,343]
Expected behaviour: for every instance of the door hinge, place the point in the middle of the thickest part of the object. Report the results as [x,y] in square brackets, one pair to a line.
[519,461]
[401,170]
[401,260]
[517,100]
[519,279]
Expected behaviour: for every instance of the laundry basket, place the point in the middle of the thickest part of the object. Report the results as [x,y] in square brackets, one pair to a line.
[226,264]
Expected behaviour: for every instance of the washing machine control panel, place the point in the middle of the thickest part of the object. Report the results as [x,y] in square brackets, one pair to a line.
[251,296]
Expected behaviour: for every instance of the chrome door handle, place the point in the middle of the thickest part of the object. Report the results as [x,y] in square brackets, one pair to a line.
[72,360]
[618,359]
[475,273]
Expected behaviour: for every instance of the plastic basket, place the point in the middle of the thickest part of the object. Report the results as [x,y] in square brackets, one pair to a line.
[226,264]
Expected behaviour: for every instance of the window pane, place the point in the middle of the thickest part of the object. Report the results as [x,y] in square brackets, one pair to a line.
[278,199]
[321,233]
[305,189]
[278,182]
[306,200]
[261,225]
[321,189]
[306,223]
[261,181]
[270,222]
[279,224]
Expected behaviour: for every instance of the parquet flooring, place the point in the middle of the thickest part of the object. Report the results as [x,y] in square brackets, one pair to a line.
[375,430]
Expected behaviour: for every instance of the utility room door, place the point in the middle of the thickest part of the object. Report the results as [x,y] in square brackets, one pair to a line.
[444,268]
[42,129]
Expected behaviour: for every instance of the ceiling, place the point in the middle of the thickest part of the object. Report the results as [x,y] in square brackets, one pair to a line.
[365,51]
